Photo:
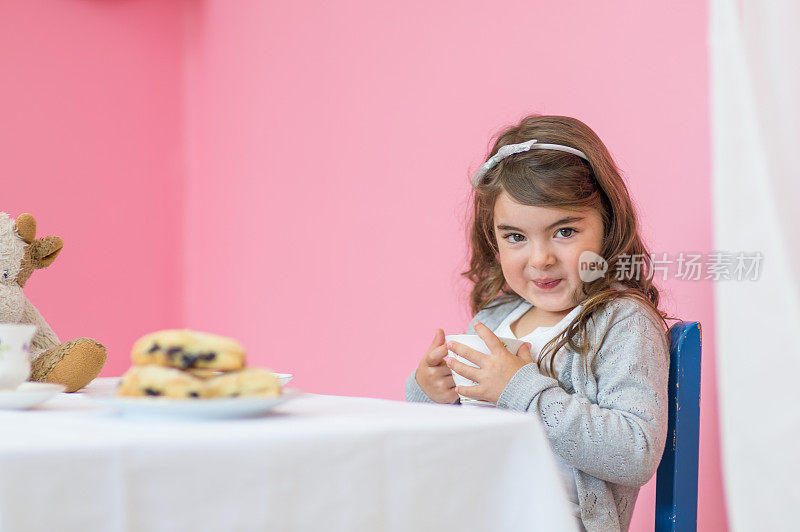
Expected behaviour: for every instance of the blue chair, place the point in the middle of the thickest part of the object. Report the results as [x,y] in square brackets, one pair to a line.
[676,478]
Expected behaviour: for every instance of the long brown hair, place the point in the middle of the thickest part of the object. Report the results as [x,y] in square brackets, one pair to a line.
[550,178]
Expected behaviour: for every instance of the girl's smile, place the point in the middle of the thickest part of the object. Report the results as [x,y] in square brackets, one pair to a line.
[539,250]
[547,284]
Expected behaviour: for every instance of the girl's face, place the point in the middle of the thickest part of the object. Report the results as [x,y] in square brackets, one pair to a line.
[538,243]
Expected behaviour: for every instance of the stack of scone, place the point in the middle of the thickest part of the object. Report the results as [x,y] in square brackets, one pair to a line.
[180,363]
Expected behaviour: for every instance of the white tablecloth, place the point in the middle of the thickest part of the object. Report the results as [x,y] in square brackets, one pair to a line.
[316,462]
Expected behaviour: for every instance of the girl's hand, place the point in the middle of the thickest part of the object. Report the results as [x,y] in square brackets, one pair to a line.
[433,376]
[493,371]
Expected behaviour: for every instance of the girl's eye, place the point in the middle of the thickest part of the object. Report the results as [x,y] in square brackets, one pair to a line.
[514,240]
[513,234]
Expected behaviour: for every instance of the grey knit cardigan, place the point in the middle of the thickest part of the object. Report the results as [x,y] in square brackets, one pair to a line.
[609,424]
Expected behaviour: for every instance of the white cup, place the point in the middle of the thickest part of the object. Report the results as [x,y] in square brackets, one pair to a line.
[476,342]
[15,354]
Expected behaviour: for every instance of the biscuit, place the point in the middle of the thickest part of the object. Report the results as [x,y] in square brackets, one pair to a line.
[187,349]
[204,374]
[158,381]
[249,382]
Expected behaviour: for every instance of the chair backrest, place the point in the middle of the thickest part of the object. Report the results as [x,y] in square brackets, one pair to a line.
[676,479]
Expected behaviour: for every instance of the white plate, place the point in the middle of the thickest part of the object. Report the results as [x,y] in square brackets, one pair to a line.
[107,386]
[237,407]
[101,386]
[29,394]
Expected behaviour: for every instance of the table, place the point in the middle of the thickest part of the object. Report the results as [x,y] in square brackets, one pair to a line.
[316,462]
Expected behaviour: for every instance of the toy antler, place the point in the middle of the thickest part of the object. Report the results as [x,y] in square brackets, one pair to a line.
[26,227]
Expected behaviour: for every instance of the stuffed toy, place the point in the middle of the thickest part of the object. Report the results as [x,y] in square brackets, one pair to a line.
[73,363]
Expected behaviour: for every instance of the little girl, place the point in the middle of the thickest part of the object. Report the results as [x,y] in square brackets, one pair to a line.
[595,364]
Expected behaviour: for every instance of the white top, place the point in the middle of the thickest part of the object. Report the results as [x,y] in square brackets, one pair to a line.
[538,339]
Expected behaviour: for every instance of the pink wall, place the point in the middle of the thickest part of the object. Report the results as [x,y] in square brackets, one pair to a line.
[90,144]
[329,148]
[296,176]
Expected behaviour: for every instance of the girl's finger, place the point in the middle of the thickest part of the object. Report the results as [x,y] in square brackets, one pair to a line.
[471,392]
[442,371]
[435,356]
[524,352]
[438,338]
[462,369]
[491,340]
[476,357]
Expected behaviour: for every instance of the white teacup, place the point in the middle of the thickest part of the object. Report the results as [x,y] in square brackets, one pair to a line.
[476,342]
[15,349]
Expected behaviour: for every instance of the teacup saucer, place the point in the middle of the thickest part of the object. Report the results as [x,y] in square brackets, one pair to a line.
[28,394]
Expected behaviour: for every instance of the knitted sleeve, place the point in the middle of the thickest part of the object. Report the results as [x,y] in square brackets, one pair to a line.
[621,438]
[414,393]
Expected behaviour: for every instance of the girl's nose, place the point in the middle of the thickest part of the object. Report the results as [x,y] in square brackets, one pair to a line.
[541,258]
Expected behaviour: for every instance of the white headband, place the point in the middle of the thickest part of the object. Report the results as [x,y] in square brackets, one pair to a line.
[511,149]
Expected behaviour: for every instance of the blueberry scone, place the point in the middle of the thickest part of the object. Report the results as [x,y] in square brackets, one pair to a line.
[250,382]
[187,349]
[158,381]
[204,373]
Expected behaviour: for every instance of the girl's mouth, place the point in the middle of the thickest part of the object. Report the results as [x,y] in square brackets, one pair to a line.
[547,286]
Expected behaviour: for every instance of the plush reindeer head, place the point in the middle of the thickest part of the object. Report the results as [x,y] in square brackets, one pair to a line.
[21,252]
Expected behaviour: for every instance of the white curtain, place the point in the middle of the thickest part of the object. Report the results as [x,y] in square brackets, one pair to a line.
[755,124]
